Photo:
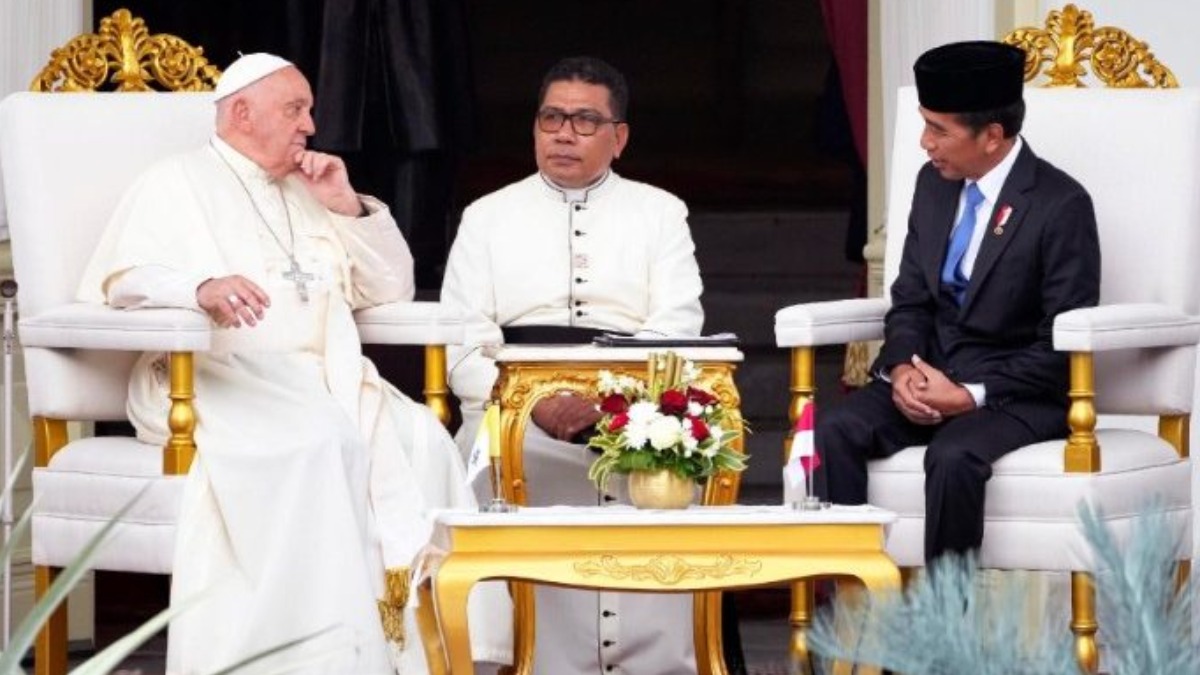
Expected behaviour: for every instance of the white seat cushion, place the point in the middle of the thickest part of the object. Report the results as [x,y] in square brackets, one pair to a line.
[1031,512]
[86,484]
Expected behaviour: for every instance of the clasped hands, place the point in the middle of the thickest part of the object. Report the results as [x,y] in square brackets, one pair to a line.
[566,415]
[924,394]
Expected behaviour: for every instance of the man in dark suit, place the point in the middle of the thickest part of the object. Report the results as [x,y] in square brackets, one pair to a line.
[999,242]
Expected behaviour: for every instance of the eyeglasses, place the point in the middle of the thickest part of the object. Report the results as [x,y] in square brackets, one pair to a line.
[584,123]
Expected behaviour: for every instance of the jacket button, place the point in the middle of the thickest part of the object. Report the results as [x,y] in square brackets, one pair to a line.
[579,312]
[606,614]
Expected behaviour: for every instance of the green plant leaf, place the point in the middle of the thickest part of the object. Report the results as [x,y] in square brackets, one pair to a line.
[112,656]
[26,632]
[23,523]
[284,668]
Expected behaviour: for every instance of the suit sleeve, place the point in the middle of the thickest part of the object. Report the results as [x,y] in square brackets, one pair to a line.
[1070,250]
[909,322]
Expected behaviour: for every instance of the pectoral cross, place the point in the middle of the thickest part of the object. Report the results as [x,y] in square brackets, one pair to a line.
[300,278]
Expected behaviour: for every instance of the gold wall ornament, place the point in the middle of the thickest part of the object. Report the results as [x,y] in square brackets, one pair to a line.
[1070,40]
[669,569]
[124,55]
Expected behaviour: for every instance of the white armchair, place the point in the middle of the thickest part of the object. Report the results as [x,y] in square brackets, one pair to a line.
[1138,154]
[67,159]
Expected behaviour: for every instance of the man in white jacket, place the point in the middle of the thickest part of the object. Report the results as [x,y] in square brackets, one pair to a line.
[568,252]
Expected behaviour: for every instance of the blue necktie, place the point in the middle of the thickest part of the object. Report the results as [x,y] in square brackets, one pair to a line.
[960,239]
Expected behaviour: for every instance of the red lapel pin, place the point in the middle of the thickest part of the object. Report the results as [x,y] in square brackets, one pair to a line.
[1002,219]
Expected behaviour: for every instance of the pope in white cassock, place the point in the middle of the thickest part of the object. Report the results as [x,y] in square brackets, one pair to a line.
[571,248]
[311,487]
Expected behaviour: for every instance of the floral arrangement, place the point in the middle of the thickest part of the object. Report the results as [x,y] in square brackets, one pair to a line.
[666,424]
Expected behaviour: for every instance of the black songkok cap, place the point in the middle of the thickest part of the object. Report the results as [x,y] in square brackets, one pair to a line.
[969,77]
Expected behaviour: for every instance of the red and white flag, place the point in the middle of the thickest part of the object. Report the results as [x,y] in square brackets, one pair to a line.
[803,457]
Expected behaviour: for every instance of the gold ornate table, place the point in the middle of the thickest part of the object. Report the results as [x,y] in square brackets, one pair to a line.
[530,373]
[621,548]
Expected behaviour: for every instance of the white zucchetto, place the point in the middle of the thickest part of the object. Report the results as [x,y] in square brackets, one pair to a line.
[247,70]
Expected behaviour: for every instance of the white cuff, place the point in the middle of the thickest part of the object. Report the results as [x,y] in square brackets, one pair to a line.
[978,392]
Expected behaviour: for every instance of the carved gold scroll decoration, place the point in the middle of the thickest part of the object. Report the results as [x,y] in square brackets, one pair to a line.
[1070,42]
[669,569]
[123,55]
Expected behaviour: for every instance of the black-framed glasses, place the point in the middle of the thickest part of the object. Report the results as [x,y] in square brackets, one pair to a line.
[584,122]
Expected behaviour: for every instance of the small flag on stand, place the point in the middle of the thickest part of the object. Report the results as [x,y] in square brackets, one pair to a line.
[482,448]
[803,458]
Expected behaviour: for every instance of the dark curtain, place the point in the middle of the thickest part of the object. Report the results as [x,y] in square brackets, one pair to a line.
[844,106]
[392,85]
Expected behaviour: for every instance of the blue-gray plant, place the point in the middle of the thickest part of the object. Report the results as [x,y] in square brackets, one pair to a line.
[955,620]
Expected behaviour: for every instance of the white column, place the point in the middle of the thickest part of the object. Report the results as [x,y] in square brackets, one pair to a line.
[906,29]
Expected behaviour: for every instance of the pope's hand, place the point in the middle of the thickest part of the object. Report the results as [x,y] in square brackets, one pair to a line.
[233,300]
[326,178]
[563,417]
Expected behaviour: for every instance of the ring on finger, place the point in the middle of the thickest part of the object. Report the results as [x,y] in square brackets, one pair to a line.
[233,298]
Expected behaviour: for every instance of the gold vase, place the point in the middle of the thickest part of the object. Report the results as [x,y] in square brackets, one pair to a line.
[661,489]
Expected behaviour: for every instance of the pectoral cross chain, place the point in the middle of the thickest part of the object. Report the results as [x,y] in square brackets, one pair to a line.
[300,278]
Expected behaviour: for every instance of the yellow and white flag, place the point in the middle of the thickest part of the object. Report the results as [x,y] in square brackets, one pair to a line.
[486,447]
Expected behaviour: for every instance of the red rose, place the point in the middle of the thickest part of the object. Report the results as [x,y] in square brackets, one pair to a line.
[673,402]
[699,429]
[700,396]
[614,404]
[617,423]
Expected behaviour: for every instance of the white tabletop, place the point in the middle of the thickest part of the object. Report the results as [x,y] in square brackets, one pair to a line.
[595,353]
[628,516]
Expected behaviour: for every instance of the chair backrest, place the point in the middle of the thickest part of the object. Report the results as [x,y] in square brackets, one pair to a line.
[67,159]
[1137,152]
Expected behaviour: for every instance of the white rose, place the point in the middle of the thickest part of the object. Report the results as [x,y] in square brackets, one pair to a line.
[665,432]
[695,409]
[636,435]
[643,412]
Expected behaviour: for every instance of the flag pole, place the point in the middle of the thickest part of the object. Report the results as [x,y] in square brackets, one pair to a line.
[8,289]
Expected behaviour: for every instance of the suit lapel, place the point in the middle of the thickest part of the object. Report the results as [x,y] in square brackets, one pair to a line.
[995,239]
[933,249]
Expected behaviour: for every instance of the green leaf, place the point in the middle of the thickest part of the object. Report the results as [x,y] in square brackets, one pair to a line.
[309,659]
[26,632]
[112,656]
